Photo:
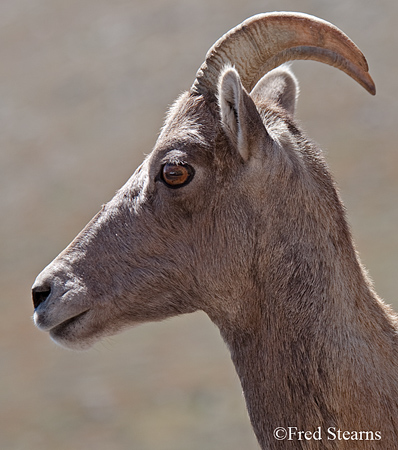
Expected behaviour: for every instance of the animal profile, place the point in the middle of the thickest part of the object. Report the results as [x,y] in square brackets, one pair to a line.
[235,213]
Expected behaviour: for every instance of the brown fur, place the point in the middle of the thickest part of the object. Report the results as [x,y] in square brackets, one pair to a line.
[259,241]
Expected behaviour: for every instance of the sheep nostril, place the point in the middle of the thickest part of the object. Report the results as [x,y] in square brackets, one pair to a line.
[40,294]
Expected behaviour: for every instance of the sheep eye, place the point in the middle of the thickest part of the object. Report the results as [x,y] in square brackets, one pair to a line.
[177,175]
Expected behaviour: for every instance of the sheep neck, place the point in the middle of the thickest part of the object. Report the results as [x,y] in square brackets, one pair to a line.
[318,371]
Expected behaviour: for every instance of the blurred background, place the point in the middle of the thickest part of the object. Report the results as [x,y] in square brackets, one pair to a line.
[84,86]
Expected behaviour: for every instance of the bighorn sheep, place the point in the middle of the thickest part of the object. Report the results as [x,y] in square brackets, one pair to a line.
[235,213]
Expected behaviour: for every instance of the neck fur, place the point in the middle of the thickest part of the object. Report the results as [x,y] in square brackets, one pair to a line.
[318,357]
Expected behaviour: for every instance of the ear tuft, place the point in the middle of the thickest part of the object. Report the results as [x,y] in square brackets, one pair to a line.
[278,86]
[239,116]
[229,96]
[233,110]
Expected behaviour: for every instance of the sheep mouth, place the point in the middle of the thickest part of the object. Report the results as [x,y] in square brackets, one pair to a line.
[61,329]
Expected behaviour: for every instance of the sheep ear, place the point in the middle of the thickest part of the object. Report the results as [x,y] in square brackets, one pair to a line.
[239,116]
[279,86]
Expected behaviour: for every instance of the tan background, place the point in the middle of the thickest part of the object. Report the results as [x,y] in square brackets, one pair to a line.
[84,85]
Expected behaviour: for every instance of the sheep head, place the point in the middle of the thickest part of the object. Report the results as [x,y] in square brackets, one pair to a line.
[214,211]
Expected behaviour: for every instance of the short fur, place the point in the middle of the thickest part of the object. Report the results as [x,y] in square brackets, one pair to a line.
[259,241]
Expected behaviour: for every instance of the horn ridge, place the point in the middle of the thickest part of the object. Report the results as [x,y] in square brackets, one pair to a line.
[265,41]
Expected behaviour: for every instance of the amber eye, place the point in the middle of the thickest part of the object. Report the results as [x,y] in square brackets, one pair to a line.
[177,175]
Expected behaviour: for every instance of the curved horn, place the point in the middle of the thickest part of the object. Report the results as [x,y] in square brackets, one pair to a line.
[265,41]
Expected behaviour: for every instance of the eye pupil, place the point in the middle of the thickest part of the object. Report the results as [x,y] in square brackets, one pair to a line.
[177,175]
